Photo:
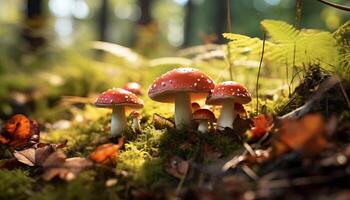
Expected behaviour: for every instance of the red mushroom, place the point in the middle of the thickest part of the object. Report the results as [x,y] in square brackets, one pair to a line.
[118,99]
[227,94]
[203,116]
[181,86]
[135,117]
[240,110]
[195,106]
[134,88]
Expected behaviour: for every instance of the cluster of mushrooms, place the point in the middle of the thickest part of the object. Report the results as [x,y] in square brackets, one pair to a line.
[181,86]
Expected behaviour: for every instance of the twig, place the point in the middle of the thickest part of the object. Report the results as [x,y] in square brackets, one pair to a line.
[179,186]
[250,173]
[249,149]
[334,5]
[257,79]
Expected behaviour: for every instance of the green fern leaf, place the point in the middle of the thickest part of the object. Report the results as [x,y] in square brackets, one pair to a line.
[280,32]
[286,45]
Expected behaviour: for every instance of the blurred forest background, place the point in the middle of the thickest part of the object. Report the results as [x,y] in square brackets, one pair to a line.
[143,23]
[44,44]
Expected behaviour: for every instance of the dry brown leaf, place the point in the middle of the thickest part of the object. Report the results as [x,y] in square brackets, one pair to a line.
[36,155]
[161,122]
[57,165]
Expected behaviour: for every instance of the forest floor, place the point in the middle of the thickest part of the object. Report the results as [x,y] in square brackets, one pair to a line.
[299,151]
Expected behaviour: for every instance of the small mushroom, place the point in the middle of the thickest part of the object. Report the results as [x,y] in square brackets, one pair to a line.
[240,110]
[227,94]
[134,88]
[135,117]
[195,106]
[203,116]
[181,86]
[118,99]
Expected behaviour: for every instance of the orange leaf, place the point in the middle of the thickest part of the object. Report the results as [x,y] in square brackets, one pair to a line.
[261,125]
[306,134]
[107,153]
[20,132]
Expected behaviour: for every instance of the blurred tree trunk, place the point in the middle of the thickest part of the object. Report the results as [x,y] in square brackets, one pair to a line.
[188,22]
[33,25]
[146,34]
[103,21]
[205,22]
[145,6]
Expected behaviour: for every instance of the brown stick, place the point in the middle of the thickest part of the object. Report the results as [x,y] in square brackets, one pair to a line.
[334,5]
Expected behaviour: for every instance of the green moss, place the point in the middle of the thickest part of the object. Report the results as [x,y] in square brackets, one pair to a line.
[81,135]
[132,158]
[15,185]
[85,187]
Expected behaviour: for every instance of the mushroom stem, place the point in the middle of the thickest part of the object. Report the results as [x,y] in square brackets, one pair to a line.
[135,124]
[227,115]
[203,126]
[183,110]
[118,123]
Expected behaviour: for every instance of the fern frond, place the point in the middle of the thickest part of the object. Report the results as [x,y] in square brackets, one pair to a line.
[287,45]
[280,32]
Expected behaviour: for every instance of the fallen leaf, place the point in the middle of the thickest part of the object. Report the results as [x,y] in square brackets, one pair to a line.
[306,134]
[261,125]
[36,155]
[176,166]
[107,153]
[58,165]
[10,164]
[161,122]
[20,132]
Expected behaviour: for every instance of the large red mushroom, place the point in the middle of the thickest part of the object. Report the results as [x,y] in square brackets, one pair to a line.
[181,85]
[118,99]
[227,94]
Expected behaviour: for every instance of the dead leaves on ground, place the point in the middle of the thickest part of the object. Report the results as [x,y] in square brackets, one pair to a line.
[107,153]
[37,155]
[307,135]
[19,132]
[58,165]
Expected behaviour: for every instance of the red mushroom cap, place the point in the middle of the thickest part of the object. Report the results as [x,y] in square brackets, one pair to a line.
[195,106]
[240,108]
[118,97]
[189,80]
[229,90]
[134,88]
[201,114]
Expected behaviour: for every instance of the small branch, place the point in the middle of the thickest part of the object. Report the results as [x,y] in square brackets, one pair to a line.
[179,186]
[334,5]
[257,79]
